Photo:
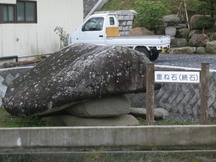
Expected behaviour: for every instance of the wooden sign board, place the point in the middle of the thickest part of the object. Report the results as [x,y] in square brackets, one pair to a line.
[177,76]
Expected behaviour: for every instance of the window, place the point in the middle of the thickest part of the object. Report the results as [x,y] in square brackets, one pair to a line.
[26,11]
[8,12]
[93,24]
[22,12]
[112,21]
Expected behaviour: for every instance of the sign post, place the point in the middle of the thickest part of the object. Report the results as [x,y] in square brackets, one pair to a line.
[194,77]
[204,94]
[150,94]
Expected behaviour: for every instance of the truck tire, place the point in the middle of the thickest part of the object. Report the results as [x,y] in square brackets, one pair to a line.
[144,51]
[153,55]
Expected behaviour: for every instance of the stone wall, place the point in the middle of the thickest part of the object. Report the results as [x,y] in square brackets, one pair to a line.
[181,100]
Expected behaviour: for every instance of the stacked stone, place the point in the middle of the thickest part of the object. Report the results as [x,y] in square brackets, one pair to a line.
[108,111]
[126,18]
[185,40]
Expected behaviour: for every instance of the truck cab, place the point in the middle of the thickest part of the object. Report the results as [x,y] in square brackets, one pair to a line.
[96,29]
[103,29]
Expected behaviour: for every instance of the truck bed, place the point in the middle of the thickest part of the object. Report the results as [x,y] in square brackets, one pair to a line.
[148,40]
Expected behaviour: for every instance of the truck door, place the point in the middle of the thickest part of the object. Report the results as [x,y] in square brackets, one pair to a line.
[93,31]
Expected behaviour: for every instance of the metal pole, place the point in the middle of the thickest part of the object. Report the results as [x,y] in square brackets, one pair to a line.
[150,94]
[204,93]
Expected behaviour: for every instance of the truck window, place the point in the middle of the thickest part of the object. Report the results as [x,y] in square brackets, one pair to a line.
[93,24]
[112,21]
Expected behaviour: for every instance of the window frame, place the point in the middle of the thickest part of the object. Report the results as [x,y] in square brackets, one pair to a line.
[15,14]
[35,12]
[8,13]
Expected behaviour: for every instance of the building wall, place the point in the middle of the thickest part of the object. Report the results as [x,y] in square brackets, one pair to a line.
[8,1]
[40,38]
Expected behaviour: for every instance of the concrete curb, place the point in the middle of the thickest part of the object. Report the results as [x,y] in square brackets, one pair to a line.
[109,138]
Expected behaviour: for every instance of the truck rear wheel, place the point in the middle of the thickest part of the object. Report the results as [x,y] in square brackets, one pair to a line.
[144,51]
[153,55]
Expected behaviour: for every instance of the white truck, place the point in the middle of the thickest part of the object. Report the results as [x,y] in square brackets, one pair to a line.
[103,29]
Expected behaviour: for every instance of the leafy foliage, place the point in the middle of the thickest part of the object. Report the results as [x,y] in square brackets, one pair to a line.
[119,5]
[206,7]
[63,36]
[150,13]
[204,22]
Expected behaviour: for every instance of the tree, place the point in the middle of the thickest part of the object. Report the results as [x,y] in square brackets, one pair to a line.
[206,7]
[149,13]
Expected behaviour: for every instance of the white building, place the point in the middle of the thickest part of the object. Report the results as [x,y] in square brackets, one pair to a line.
[27,26]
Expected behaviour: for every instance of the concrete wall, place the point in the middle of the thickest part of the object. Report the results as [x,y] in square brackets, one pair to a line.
[40,38]
[109,138]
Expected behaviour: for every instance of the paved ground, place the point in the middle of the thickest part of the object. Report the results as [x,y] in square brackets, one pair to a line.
[185,60]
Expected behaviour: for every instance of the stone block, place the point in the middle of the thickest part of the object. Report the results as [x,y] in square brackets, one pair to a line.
[103,107]
[68,120]
[123,120]
[129,23]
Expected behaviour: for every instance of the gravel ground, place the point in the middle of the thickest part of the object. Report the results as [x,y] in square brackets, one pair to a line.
[185,60]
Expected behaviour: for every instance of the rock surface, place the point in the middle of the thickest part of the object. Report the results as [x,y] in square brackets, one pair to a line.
[178,42]
[170,20]
[211,47]
[193,20]
[77,73]
[159,113]
[198,40]
[67,120]
[182,50]
[104,107]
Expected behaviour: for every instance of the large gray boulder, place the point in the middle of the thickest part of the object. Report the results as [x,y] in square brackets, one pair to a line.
[182,33]
[76,73]
[178,42]
[170,20]
[211,47]
[182,50]
[198,40]
[195,22]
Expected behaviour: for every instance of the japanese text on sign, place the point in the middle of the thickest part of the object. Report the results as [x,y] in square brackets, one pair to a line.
[177,76]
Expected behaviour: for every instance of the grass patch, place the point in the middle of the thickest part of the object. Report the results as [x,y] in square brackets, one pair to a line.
[119,5]
[6,120]
[168,121]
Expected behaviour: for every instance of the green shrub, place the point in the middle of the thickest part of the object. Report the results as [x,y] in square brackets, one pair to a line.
[205,22]
[149,13]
